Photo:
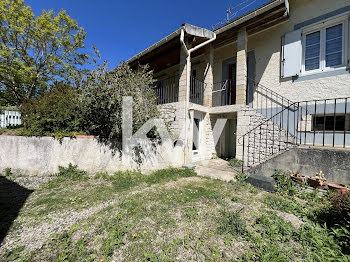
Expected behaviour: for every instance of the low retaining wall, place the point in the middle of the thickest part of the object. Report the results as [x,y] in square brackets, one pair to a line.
[334,163]
[34,155]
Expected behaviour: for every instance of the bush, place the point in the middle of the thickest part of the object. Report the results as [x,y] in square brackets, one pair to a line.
[102,99]
[71,172]
[55,112]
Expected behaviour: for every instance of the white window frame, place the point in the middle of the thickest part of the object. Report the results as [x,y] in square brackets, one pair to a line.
[322,26]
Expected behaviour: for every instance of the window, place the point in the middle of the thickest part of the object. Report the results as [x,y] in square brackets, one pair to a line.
[330,123]
[324,46]
[312,51]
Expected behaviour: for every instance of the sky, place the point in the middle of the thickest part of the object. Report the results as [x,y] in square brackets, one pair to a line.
[122,28]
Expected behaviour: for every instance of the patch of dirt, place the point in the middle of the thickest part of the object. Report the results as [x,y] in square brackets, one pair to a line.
[297,222]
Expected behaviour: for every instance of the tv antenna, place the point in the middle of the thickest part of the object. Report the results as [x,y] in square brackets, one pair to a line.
[232,12]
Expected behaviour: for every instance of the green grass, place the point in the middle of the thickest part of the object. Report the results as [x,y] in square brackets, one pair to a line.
[173,215]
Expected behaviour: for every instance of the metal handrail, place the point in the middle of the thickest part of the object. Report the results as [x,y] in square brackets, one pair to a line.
[300,127]
[270,91]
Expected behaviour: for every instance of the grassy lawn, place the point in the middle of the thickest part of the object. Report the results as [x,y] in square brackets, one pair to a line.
[169,215]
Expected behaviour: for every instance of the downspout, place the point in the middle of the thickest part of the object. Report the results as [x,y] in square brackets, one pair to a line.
[188,84]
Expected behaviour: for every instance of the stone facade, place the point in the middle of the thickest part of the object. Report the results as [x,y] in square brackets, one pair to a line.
[263,142]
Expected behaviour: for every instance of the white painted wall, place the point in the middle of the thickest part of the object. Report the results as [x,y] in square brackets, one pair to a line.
[34,155]
[267,46]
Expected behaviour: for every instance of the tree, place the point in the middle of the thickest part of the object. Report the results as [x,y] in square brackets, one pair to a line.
[102,94]
[57,111]
[36,51]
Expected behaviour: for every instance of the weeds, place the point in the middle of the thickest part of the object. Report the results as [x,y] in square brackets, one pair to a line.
[231,223]
[191,213]
[101,175]
[115,236]
[72,172]
[284,184]
[235,163]
[147,220]
[8,172]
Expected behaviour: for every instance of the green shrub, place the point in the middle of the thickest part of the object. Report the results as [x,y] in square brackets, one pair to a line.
[71,172]
[339,211]
[56,112]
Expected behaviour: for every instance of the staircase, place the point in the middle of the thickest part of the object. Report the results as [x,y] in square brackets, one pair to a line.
[288,124]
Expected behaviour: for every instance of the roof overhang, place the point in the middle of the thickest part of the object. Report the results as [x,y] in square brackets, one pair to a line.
[260,19]
[188,29]
[254,13]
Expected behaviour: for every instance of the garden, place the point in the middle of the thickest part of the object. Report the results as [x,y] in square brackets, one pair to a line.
[173,214]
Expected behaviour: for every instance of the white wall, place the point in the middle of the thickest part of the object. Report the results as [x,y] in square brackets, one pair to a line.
[34,155]
[267,46]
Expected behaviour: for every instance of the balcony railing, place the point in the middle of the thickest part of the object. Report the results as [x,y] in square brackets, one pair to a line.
[197,91]
[224,93]
[167,90]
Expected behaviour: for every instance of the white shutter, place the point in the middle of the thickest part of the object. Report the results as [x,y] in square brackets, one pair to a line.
[291,54]
[348,42]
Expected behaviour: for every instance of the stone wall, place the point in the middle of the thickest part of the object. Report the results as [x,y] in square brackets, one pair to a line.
[334,163]
[263,142]
[33,155]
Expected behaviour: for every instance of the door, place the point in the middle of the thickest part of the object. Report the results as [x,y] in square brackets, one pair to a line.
[230,138]
[231,96]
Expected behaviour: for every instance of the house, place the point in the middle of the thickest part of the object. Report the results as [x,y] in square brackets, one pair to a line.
[278,76]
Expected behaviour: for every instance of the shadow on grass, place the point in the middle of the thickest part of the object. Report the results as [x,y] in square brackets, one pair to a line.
[12,198]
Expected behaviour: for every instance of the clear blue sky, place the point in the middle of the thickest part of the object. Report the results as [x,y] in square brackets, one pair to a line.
[122,28]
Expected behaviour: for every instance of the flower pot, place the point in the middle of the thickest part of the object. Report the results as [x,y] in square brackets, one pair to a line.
[299,179]
[314,182]
[340,188]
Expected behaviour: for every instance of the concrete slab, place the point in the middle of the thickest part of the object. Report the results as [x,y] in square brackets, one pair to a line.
[215,173]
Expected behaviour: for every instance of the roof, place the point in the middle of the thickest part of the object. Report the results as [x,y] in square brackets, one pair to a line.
[188,28]
[202,32]
[245,17]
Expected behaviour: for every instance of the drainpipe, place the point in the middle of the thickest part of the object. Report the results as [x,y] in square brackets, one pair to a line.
[188,84]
